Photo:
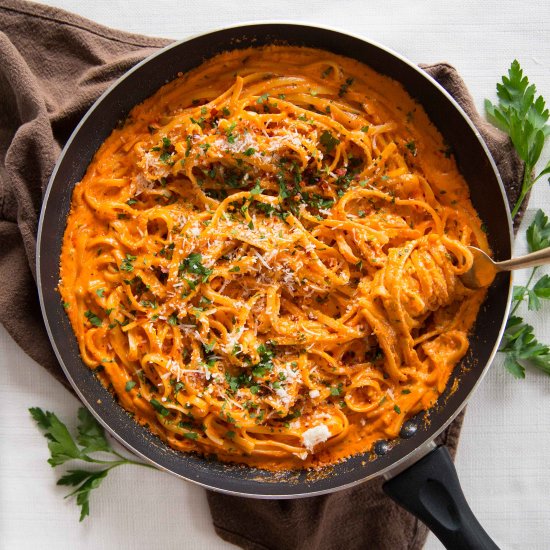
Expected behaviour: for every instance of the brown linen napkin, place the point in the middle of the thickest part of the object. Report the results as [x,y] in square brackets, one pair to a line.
[53,65]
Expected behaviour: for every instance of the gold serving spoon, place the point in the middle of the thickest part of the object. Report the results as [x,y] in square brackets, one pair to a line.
[484,268]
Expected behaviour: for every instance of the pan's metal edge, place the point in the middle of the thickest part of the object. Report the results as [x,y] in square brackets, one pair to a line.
[387,472]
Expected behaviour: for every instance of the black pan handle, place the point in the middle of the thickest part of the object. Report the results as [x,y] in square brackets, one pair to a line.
[430,490]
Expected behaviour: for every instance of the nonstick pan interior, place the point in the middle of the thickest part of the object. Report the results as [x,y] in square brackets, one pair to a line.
[474,162]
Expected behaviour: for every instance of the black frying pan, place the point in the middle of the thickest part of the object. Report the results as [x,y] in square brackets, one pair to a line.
[422,479]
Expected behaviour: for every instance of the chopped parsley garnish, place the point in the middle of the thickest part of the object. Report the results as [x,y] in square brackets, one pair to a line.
[193,264]
[328,141]
[257,189]
[199,122]
[344,87]
[93,318]
[159,407]
[411,146]
[265,364]
[173,319]
[129,385]
[209,347]
[127,264]
[165,157]
[229,132]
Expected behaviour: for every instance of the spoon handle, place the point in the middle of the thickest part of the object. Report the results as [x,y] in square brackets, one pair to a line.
[540,257]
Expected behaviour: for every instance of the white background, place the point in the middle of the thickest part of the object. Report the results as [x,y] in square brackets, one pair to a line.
[504,452]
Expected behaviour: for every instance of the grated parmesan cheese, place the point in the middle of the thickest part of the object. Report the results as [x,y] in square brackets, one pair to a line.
[314,436]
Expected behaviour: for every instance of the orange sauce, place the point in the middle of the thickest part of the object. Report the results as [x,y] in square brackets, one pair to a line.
[263,263]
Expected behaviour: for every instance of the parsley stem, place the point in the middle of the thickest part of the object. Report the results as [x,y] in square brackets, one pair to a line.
[118,454]
[113,463]
[533,271]
[137,463]
[525,188]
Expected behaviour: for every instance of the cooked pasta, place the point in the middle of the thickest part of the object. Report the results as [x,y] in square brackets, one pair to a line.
[263,261]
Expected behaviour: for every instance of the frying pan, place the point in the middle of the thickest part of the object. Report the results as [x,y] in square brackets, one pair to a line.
[421,476]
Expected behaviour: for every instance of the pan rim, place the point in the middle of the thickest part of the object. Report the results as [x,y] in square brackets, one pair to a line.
[422,448]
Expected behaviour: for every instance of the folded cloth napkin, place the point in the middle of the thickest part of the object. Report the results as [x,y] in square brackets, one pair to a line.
[53,65]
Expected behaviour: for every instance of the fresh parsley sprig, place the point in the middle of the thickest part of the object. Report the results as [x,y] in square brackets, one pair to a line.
[64,447]
[521,347]
[538,237]
[524,119]
[519,342]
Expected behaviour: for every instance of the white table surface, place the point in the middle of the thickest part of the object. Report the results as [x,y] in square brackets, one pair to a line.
[504,452]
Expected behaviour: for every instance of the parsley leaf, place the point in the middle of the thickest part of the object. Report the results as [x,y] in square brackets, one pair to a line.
[60,442]
[257,189]
[84,482]
[344,87]
[265,364]
[173,319]
[159,407]
[127,264]
[328,141]
[91,434]
[93,318]
[411,146]
[229,132]
[538,233]
[521,348]
[540,290]
[542,287]
[193,264]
